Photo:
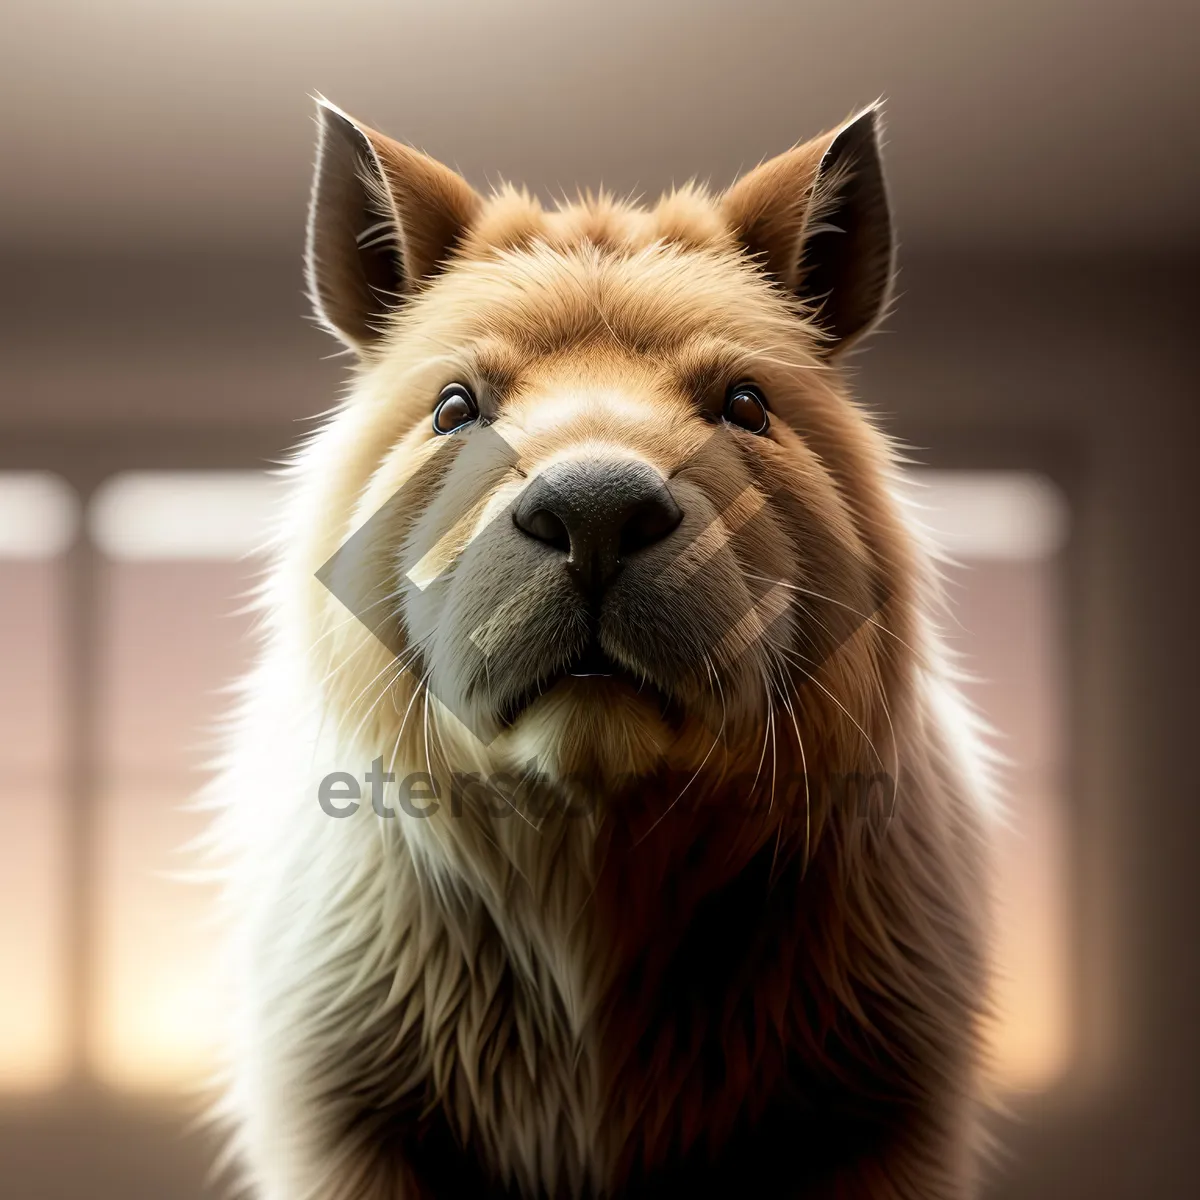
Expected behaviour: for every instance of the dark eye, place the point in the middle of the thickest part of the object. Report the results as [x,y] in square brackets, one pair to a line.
[456,407]
[746,408]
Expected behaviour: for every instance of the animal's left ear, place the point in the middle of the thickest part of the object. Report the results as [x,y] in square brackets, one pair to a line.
[817,217]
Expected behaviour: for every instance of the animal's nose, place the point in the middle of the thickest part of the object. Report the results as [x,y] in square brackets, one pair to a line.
[598,513]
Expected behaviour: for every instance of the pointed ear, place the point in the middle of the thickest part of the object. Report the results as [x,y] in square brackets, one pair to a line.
[382,219]
[817,217]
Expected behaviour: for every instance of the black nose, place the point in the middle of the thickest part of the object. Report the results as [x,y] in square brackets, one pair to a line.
[598,513]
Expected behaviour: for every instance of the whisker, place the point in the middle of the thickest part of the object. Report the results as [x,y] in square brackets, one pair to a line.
[783,694]
[396,666]
[811,678]
[383,691]
[841,604]
[358,615]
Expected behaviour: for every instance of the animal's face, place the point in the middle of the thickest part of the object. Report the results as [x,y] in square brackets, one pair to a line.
[615,507]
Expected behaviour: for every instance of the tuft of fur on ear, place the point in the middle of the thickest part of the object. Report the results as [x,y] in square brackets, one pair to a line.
[383,218]
[817,217]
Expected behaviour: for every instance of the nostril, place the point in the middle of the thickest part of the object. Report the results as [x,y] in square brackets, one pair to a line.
[545,526]
[650,522]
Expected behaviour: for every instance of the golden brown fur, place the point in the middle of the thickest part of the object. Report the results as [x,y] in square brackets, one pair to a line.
[717,971]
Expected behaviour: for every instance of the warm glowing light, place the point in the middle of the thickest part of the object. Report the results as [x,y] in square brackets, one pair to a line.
[1008,626]
[157,1011]
[33,880]
[171,642]
[32,951]
[1032,1038]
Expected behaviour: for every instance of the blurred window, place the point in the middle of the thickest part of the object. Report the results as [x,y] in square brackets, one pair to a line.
[182,516]
[1004,533]
[177,562]
[38,519]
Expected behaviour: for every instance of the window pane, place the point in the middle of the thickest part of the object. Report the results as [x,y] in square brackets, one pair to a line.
[1005,530]
[33,1008]
[172,640]
[37,517]
[156,1012]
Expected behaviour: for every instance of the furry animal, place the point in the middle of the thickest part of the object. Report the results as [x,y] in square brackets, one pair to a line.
[668,869]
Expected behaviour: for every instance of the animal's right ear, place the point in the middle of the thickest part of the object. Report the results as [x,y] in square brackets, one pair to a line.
[383,219]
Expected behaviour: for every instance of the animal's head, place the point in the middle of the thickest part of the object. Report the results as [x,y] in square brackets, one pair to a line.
[616,512]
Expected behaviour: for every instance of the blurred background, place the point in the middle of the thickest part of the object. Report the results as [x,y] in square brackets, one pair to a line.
[155,356]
